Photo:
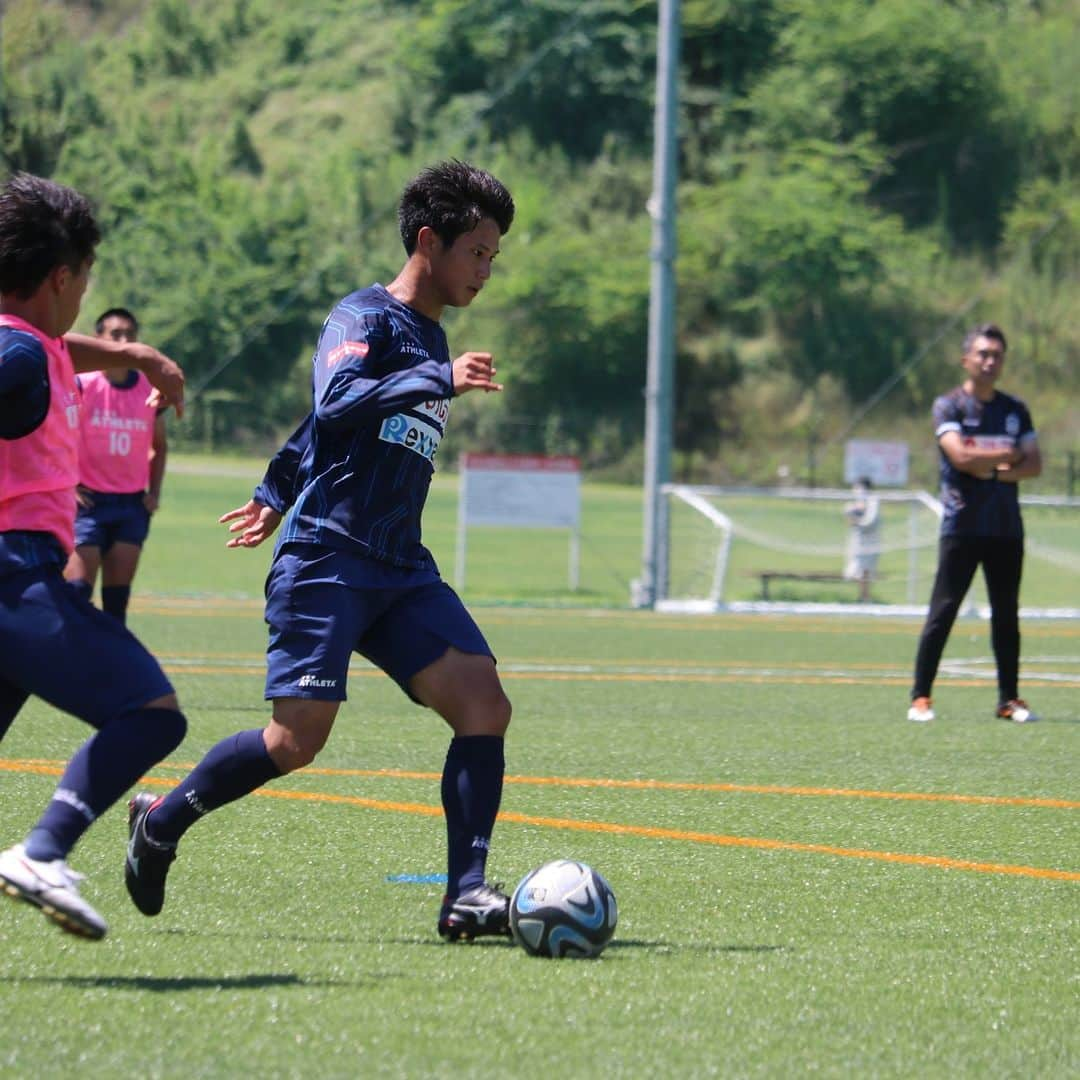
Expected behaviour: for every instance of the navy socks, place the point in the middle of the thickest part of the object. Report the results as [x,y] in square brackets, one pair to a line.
[230,770]
[103,768]
[114,600]
[471,792]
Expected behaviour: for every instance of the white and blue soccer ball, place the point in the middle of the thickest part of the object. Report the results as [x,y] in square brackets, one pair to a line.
[563,908]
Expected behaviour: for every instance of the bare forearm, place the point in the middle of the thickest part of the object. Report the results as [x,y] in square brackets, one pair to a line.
[157,471]
[1027,469]
[97,354]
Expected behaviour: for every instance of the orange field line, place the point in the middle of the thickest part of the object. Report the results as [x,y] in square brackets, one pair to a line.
[652,832]
[54,768]
[755,789]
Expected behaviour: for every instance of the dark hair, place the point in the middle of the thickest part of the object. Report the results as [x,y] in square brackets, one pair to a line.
[43,225]
[452,198]
[988,329]
[119,312]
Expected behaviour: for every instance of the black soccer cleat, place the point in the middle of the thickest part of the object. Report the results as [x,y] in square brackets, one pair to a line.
[482,911]
[147,864]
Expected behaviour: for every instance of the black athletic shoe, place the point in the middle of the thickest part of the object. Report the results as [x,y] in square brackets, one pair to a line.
[147,864]
[482,911]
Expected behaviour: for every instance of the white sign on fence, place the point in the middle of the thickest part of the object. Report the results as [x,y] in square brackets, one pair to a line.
[884,463]
[520,490]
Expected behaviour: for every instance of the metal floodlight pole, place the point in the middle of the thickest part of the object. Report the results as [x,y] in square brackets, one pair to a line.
[652,585]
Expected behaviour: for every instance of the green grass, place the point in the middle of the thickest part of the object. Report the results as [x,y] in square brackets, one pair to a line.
[764,928]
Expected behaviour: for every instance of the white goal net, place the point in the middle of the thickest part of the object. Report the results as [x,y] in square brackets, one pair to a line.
[779,549]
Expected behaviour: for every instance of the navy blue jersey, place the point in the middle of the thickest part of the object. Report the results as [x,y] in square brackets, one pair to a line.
[24,383]
[356,472]
[975,507]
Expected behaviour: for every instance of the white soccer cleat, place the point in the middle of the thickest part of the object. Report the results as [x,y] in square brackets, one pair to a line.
[921,711]
[1018,711]
[53,887]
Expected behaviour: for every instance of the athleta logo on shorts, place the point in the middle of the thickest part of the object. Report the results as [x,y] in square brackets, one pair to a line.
[311,680]
[412,433]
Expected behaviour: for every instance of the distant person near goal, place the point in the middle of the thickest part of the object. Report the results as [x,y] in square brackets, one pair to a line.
[863,514]
[123,446]
[987,443]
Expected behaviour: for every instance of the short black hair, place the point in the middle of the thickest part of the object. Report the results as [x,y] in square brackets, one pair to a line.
[43,225]
[987,329]
[452,198]
[120,312]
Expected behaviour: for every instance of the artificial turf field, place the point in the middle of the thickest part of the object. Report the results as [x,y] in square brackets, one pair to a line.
[807,883]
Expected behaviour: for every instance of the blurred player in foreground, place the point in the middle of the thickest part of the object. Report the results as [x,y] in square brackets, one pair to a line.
[350,572]
[53,643]
[121,468]
[987,444]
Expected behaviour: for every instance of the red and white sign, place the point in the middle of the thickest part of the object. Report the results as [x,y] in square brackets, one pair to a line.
[885,464]
[520,463]
[521,489]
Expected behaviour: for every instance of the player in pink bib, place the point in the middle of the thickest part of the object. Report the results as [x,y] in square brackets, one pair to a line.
[54,643]
[123,447]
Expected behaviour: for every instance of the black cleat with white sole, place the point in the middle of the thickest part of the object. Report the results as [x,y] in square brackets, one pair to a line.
[147,864]
[482,911]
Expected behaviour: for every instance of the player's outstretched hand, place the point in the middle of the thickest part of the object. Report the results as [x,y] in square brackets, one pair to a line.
[474,371]
[253,521]
[165,375]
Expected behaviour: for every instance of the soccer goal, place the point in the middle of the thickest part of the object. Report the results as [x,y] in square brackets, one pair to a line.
[777,549]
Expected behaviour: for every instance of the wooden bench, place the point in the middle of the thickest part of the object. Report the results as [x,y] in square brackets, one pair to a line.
[768,576]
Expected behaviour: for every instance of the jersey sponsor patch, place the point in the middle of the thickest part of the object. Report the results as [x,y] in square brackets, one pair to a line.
[412,433]
[439,409]
[345,350]
[990,442]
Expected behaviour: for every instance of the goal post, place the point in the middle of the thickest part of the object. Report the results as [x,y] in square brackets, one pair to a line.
[774,549]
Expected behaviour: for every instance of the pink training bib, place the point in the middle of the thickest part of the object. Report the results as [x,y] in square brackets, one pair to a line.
[116,433]
[38,472]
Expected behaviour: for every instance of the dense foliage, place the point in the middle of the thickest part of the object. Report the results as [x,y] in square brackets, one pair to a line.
[859,180]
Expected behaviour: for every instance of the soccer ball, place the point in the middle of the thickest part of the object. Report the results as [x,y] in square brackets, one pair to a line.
[563,908]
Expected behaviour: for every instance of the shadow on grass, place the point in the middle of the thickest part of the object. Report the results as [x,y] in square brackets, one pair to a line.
[259,935]
[658,947]
[691,947]
[165,985]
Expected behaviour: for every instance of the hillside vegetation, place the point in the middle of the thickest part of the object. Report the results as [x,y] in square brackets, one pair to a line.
[860,181]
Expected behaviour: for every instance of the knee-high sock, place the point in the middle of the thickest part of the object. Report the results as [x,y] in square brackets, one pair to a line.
[471,792]
[114,600]
[235,767]
[103,768]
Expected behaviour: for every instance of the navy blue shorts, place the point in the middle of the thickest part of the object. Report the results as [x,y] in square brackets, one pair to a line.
[319,615]
[57,645]
[112,519]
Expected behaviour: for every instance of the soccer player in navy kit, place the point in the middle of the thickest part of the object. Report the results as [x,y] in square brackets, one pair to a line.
[350,572]
[987,444]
